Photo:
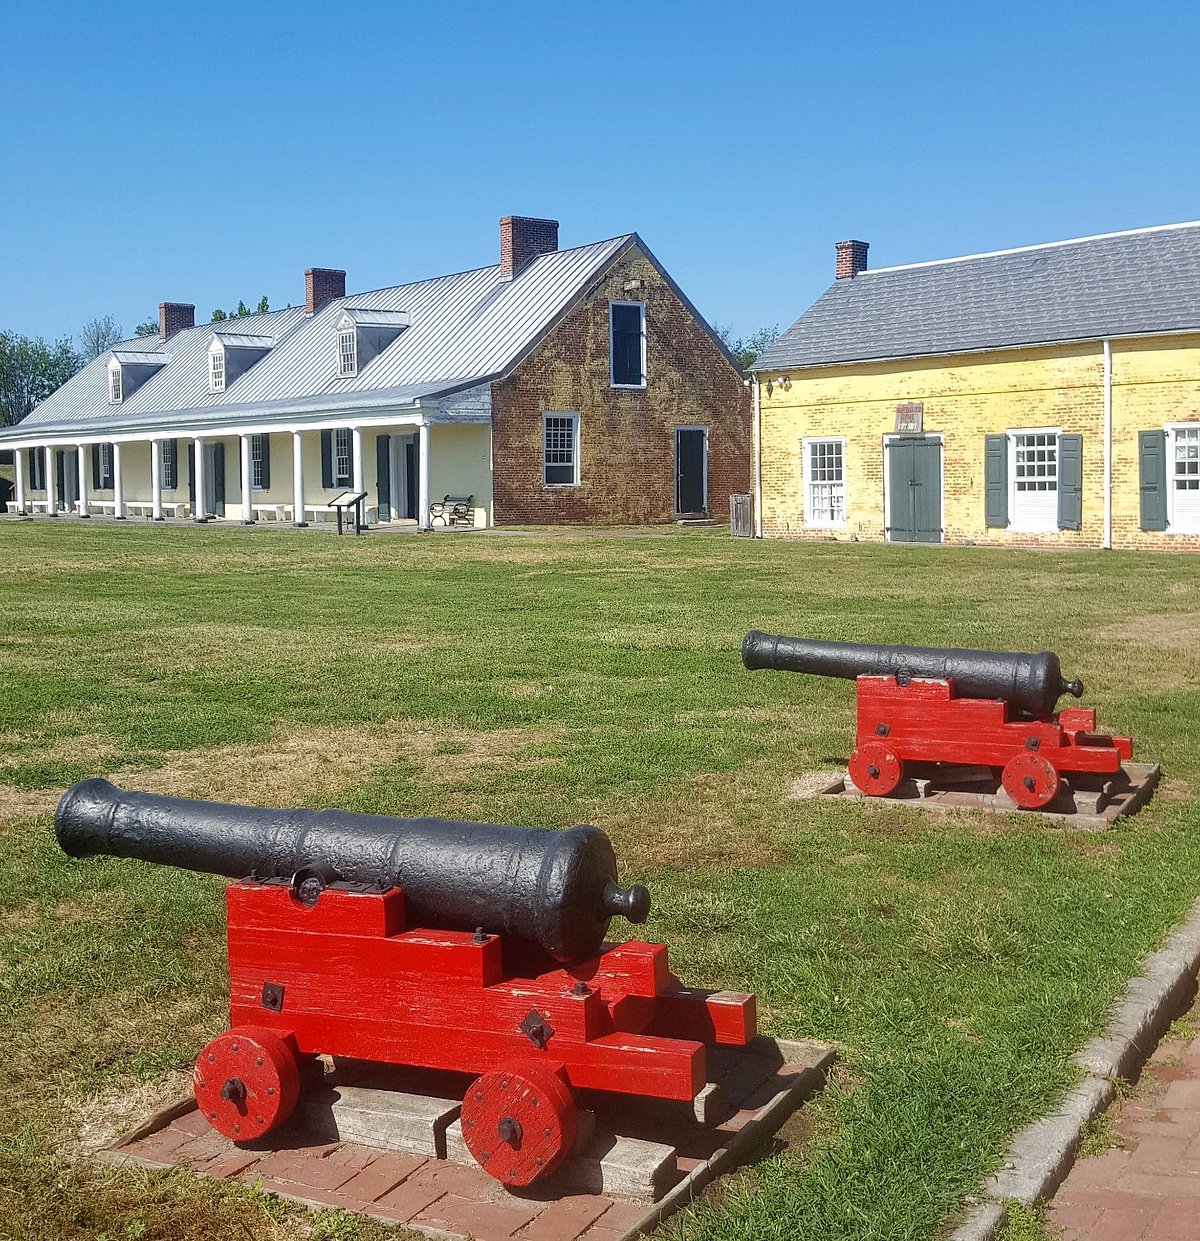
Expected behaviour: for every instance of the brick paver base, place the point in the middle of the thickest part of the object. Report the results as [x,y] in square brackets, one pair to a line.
[1148,1186]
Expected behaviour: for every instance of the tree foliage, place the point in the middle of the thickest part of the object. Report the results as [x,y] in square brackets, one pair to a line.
[219,315]
[30,369]
[149,328]
[747,349]
[98,335]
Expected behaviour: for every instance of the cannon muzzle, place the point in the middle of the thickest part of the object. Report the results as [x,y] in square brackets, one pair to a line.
[557,889]
[1034,683]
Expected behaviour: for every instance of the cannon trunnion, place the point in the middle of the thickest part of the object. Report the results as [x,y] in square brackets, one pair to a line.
[374,939]
[921,705]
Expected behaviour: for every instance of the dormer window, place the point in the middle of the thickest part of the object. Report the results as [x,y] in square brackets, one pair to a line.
[216,371]
[364,334]
[128,369]
[114,384]
[348,351]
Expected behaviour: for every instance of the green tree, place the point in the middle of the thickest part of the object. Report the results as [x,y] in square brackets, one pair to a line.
[263,308]
[30,369]
[747,349]
[218,316]
[149,328]
[98,335]
[242,310]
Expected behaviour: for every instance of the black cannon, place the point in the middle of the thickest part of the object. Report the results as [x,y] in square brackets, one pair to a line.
[1032,683]
[980,709]
[557,889]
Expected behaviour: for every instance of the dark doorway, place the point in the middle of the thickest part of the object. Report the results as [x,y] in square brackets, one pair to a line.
[914,474]
[691,470]
[66,469]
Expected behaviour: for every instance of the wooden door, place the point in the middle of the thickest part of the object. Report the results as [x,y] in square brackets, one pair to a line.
[914,472]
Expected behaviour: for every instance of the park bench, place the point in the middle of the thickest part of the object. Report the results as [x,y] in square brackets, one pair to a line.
[452,511]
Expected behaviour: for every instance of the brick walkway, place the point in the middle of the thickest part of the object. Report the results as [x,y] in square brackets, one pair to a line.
[1147,1185]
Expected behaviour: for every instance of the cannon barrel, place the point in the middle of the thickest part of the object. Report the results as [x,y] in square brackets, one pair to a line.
[1034,683]
[557,889]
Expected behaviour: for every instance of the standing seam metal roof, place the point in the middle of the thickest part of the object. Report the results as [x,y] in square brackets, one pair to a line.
[467,327]
[1119,284]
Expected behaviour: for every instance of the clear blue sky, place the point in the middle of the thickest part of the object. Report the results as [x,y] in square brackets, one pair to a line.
[206,152]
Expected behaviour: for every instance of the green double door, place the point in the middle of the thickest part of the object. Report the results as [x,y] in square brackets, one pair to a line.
[914,473]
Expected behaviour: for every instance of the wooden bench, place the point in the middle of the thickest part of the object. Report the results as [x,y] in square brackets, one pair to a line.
[453,511]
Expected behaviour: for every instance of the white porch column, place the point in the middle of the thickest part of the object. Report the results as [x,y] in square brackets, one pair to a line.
[82,502]
[19,473]
[297,480]
[423,475]
[118,484]
[356,458]
[247,482]
[156,479]
[201,513]
[51,502]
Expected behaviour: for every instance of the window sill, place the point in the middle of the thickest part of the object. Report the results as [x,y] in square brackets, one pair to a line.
[629,387]
[560,486]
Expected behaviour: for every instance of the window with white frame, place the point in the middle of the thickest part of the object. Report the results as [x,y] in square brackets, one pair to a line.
[258,462]
[114,385]
[169,461]
[1034,480]
[627,344]
[343,467]
[348,352]
[825,482]
[1183,478]
[104,475]
[560,450]
[216,371]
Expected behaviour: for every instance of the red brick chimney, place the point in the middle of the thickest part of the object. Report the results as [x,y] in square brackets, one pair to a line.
[321,286]
[174,317]
[522,239]
[851,258]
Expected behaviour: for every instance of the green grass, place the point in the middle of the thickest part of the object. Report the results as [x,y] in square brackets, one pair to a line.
[957,963]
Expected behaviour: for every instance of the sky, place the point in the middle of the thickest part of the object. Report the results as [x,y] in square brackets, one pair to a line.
[210,152]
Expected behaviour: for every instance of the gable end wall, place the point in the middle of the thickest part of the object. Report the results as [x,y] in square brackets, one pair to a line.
[627,462]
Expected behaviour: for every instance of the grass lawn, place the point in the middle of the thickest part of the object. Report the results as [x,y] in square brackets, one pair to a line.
[956,963]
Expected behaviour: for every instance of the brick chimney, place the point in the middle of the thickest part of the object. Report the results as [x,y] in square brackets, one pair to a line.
[174,317]
[522,239]
[321,286]
[851,258]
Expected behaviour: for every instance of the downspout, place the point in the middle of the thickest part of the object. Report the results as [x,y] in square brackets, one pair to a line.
[1107,543]
[756,426]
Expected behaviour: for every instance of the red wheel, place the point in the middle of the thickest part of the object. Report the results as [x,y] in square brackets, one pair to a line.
[519,1122]
[1030,780]
[246,1081]
[875,769]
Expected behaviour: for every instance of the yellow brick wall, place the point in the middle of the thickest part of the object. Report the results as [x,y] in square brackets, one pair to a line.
[966,398]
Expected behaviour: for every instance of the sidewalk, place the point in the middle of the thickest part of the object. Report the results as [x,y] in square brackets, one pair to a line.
[1147,1184]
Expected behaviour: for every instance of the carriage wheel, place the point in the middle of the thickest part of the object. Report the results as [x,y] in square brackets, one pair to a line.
[875,769]
[246,1081]
[519,1122]
[1030,780]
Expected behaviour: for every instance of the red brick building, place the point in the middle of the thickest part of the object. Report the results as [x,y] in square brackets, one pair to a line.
[557,386]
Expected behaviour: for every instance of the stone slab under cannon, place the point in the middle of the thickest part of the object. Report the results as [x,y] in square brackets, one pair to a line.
[388,1144]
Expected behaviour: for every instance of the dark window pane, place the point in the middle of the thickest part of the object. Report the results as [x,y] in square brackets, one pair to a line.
[627,345]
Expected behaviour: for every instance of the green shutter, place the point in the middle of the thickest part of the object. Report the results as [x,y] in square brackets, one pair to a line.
[383,475]
[326,458]
[1070,482]
[96,483]
[265,471]
[1152,470]
[995,481]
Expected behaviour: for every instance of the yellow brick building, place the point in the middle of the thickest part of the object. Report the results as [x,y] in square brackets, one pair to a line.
[1046,395]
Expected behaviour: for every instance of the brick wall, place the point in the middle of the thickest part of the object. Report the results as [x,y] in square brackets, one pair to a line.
[626,438]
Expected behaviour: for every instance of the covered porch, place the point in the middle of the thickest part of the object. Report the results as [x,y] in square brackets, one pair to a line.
[405,463]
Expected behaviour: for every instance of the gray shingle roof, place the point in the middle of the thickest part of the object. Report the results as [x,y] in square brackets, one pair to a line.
[1120,284]
[465,328]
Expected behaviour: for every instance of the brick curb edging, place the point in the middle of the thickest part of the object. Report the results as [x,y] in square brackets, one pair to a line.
[1040,1156]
